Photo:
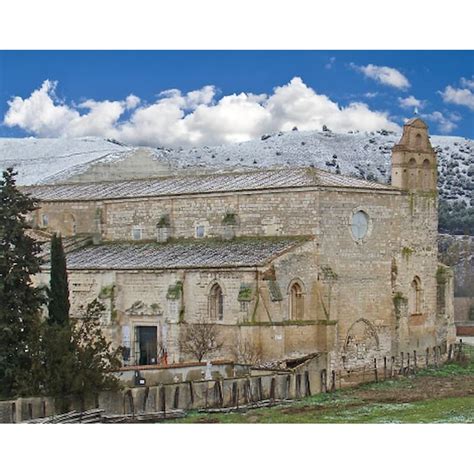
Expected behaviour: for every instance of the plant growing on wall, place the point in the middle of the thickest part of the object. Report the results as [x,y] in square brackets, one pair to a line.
[20,301]
[230,218]
[200,339]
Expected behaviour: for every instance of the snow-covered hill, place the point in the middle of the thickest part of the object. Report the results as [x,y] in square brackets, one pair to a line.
[365,155]
[39,159]
[361,154]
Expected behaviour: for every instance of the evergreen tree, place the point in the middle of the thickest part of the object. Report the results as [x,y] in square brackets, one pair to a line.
[94,358]
[20,301]
[58,306]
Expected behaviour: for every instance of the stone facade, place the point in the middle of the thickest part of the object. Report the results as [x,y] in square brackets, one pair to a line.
[365,283]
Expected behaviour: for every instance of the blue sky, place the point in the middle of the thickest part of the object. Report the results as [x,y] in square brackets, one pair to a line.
[119,94]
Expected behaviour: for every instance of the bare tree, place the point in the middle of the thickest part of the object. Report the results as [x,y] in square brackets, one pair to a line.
[245,352]
[200,339]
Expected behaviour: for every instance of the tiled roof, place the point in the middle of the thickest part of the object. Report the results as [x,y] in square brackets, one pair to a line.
[206,253]
[69,244]
[211,183]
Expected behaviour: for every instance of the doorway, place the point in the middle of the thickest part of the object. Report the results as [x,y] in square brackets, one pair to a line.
[146,345]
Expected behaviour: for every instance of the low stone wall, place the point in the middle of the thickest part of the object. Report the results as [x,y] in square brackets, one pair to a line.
[299,382]
[309,378]
[383,368]
[173,373]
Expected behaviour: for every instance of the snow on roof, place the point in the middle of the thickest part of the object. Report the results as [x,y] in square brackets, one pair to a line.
[41,159]
[206,253]
[213,183]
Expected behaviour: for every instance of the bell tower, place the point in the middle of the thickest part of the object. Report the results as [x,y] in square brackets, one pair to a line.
[414,166]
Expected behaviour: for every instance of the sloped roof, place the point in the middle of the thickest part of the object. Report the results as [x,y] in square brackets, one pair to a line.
[206,253]
[212,183]
[416,121]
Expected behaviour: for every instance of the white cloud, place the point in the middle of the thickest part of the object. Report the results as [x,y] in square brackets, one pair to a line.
[410,102]
[467,82]
[464,97]
[132,101]
[330,63]
[193,118]
[388,76]
[444,124]
[371,95]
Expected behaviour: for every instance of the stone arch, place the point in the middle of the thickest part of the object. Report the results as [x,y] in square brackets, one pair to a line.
[412,173]
[427,175]
[216,302]
[361,338]
[296,292]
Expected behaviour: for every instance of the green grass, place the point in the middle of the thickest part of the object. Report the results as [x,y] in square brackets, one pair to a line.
[445,410]
[355,405]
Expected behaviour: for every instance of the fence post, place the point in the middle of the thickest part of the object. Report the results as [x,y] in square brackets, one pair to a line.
[375,370]
[235,395]
[272,390]
[415,363]
[191,393]
[307,384]
[333,380]
[176,398]
[162,399]
[324,383]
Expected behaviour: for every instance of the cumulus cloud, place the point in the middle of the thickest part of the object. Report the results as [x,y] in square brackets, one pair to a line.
[410,102]
[463,97]
[193,118]
[467,82]
[388,76]
[445,124]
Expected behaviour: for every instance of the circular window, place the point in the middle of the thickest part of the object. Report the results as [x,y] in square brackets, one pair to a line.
[360,225]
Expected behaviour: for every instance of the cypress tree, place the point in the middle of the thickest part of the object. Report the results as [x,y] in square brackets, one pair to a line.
[20,301]
[58,306]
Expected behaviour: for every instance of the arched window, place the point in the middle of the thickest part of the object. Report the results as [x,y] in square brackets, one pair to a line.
[418,140]
[216,303]
[416,295]
[296,309]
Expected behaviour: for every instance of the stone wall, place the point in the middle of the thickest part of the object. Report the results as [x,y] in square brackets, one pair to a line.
[299,382]
[309,378]
[462,308]
[366,285]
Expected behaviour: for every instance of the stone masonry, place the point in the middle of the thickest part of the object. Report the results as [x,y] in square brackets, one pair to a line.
[357,279]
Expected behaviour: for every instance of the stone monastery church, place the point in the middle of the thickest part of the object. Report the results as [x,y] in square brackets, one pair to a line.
[286,262]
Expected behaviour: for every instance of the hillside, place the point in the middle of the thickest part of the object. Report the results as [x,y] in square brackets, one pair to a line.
[360,154]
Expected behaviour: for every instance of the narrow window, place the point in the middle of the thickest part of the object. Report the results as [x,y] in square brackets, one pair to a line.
[416,295]
[296,302]
[45,220]
[200,231]
[216,303]
[137,233]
